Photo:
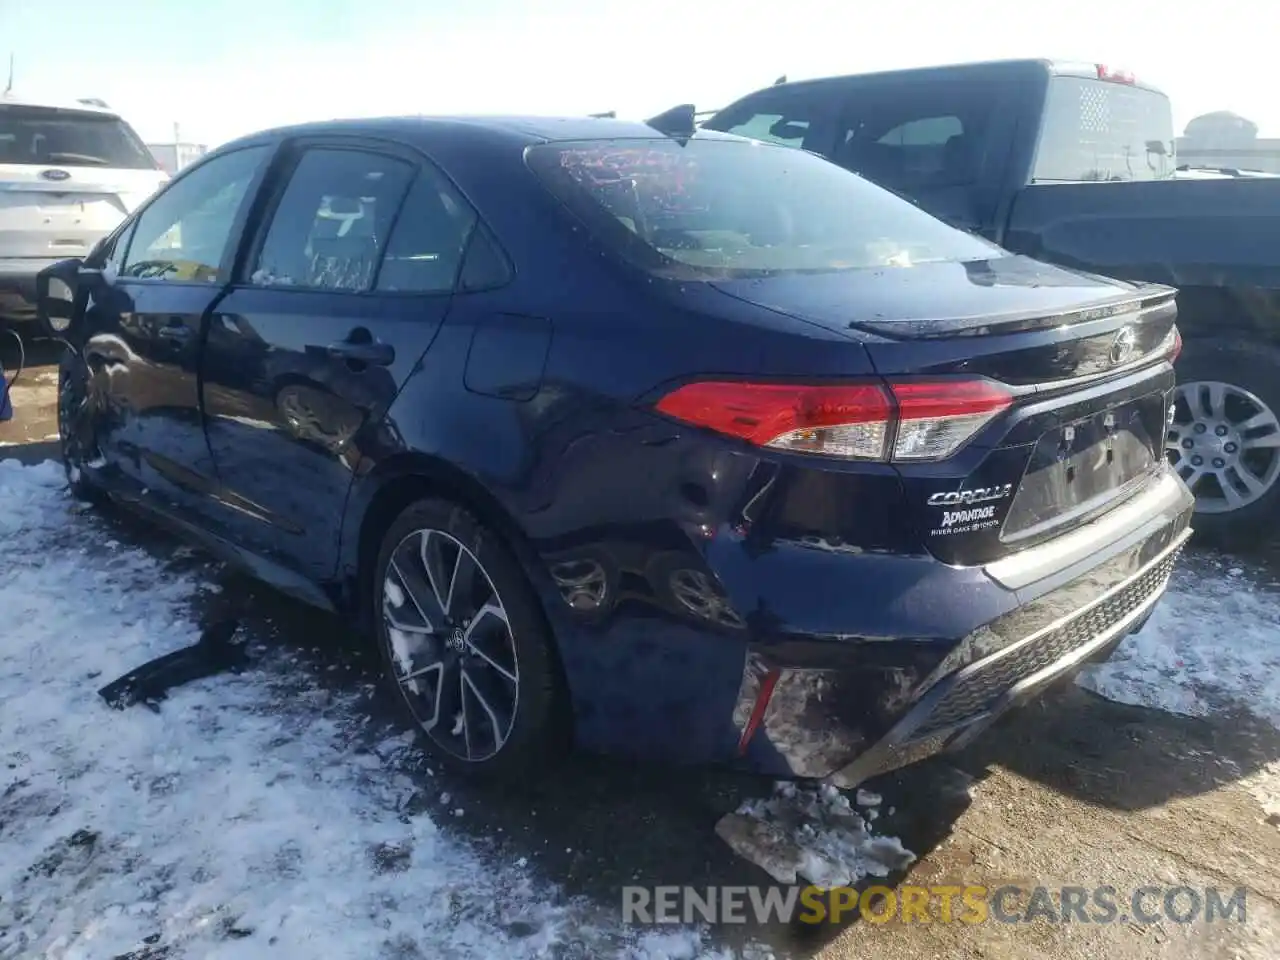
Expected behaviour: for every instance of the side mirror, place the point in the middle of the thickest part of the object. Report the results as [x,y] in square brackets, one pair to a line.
[61,290]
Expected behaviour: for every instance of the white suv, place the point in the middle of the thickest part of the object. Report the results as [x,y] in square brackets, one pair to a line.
[68,176]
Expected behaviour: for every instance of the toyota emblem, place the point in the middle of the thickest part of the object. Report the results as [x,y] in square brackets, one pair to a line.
[1123,346]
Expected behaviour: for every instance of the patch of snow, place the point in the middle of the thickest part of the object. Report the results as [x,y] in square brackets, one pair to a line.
[1264,786]
[1212,644]
[394,593]
[811,833]
[252,816]
[865,798]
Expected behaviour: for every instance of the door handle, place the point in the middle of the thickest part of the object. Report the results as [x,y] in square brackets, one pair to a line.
[374,352]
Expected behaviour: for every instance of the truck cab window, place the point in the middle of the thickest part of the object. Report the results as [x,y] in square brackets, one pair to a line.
[792,117]
[912,137]
[1099,130]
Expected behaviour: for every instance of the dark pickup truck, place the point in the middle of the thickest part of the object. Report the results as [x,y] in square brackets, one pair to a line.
[1075,164]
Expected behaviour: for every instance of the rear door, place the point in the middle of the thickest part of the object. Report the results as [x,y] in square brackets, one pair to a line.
[67,179]
[143,329]
[345,288]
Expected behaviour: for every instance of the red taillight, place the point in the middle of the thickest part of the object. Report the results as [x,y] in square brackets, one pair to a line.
[1115,76]
[1176,350]
[936,418]
[922,421]
[845,421]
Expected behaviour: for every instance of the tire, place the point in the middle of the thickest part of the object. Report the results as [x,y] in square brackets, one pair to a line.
[482,742]
[1233,472]
[75,425]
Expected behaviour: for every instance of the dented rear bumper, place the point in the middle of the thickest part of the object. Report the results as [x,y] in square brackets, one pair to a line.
[1076,598]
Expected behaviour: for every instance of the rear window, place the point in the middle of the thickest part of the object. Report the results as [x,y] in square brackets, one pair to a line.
[710,209]
[67,138]
[1100,130]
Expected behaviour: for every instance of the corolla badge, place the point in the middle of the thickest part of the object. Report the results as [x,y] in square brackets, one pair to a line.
[1123,347]
[56,175]
[951,498]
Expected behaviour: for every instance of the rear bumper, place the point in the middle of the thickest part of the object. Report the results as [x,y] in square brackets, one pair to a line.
[960,706]
[1049,610]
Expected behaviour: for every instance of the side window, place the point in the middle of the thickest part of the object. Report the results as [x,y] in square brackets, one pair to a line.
[108,255]
[910,136]
[113,255]
[183,235]
[425,248]
[791,117]
[927,132]
[485,267]
[331,224]
[773,128]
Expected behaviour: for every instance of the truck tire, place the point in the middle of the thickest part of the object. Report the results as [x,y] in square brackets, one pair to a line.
[1224,440]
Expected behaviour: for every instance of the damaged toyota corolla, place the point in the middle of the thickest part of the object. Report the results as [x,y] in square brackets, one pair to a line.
[653,440]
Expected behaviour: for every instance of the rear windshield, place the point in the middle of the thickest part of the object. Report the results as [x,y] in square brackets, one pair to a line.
[709,209]
[68,138]
[1099,130]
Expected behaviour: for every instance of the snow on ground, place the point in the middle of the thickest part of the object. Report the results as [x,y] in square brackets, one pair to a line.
[260,815]
[1213,643]
[814,834]
[251,817]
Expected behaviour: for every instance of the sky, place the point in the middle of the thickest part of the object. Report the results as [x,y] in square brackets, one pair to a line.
[223,68]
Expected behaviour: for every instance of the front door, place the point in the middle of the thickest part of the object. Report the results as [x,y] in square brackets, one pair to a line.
[143,331]
[339,298]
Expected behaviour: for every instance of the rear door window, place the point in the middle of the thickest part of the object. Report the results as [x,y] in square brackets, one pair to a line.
[1100,130]
[330,228]
[70,138]
[425,249]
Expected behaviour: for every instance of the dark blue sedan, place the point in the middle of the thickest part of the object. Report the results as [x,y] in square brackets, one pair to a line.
[650,440]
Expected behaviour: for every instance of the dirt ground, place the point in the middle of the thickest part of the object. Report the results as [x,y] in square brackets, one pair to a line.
[1073,791]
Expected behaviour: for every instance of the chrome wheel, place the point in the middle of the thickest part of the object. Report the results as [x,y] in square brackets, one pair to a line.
[1225,444]
[450,645]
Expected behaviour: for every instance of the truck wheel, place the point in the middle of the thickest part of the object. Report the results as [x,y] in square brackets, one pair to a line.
[1224,440]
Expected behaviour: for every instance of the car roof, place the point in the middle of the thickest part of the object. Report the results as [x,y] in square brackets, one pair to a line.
[87,105]
[1019,68]
[515,131]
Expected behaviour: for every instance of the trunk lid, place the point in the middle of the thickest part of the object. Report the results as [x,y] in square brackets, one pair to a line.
[1086,359]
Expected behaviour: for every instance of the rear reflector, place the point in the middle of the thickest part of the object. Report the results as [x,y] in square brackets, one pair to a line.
[926,420]
[767,683]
